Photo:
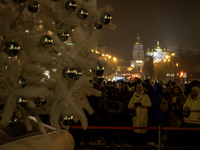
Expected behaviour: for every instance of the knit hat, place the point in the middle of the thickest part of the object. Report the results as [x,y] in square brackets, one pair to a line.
[195,88]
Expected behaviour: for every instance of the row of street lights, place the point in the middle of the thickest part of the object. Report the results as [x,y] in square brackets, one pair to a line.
[104,56]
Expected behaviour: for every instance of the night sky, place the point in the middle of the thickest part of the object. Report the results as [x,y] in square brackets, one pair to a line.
[175,22]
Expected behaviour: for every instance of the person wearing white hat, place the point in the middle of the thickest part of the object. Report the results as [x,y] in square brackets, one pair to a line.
[140,102]
[192,115]
[192,105]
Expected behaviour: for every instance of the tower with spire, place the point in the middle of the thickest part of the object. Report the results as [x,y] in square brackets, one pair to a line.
[137,61]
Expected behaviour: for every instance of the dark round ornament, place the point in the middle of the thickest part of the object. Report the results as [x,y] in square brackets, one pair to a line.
[22,102]
[70,72]
[33,6]
[22,81]
[82,13]
[100,70]
[13,121]
[106,18]
[46,41]
[78,73]
[66,120]
[63,36]
[70,5]
[19,1]
[100,79]
[40,101]
[98,25]
[12,48]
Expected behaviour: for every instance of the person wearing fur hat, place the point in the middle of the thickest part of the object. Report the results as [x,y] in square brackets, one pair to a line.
[140,102]
[192,115]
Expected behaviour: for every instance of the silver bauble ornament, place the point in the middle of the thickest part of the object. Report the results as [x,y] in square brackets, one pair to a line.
[100,70]
[33,6]
[63,36]
[22,102]
[46,41]
[106,18]
[78,73]
[12,48]
[82,13]
[70,5]
[66,120]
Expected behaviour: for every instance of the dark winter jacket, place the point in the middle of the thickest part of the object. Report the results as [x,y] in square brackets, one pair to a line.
[155,113]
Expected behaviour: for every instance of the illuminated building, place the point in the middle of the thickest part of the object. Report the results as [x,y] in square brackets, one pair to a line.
[138,57]
[157,53]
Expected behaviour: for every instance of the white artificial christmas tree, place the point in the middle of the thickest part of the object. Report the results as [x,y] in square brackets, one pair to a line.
[45,58]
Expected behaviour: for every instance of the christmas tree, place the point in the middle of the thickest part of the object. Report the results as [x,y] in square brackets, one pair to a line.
[46,60]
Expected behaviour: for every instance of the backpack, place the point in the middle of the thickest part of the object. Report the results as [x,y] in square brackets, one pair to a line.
[164,105]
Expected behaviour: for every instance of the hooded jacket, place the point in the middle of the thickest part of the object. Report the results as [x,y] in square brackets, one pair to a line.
[194,106]
[155,113]
[141,118]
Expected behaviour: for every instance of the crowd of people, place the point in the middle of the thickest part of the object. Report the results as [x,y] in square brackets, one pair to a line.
[138,104]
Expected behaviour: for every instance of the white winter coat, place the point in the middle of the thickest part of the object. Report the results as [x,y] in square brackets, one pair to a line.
[141,118]
[194,105]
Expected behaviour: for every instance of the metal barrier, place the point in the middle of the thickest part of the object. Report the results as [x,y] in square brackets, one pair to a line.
[159,128]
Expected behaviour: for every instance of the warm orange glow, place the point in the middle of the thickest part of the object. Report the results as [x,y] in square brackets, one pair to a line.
[114,59]
[181,74]
[129,68]
[173,54]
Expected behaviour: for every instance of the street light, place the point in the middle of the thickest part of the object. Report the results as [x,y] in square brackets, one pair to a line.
[181,74]
[114,59]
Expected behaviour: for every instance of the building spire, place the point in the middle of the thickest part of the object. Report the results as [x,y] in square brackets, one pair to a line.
[158,43]
[138,41]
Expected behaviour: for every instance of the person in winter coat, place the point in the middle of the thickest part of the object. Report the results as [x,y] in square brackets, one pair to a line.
[117,110]
[157,117]
[192,116]
[140,102]
[192,105]
[176,102]
[175,113]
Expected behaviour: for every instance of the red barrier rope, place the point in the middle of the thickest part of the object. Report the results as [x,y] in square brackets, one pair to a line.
[131,128]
